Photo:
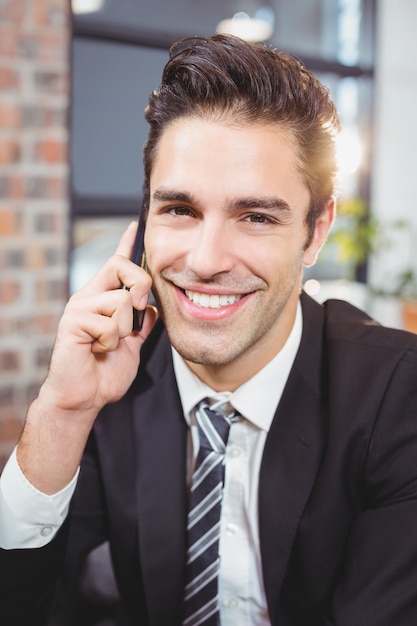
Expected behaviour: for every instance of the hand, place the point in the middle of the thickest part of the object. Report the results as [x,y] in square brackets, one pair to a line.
[96,355]
[94,361]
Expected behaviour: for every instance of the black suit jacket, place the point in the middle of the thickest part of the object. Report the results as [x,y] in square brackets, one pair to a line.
[337,487]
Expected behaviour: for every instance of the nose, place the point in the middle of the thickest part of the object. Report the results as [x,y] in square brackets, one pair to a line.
[211,249]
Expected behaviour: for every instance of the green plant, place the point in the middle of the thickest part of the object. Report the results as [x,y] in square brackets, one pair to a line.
[356,234]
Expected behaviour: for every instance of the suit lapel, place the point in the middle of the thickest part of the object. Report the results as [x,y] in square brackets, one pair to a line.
[292,457]
[161,487]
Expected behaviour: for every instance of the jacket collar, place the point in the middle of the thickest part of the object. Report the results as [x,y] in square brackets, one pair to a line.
[292,455]
[161,478]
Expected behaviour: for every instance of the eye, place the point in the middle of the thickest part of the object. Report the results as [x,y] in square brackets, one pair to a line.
[259,218]
[179,210]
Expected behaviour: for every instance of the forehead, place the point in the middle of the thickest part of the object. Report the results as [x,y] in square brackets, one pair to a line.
[217,159]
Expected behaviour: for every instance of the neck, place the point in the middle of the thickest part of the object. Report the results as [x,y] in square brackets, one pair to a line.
[230,376]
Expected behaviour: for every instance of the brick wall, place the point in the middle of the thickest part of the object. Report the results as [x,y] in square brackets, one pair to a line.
[34,207]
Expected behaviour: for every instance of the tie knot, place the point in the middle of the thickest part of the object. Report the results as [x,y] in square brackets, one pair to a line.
[214,425]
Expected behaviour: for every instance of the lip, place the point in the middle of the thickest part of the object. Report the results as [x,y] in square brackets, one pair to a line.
[206,313]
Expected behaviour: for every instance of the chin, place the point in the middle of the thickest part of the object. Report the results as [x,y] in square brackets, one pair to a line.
[204,344]
[210,356]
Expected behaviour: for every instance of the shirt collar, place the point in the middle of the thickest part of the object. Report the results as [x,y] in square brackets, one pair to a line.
[257,399]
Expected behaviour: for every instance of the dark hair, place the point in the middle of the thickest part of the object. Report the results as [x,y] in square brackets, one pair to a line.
[224,77]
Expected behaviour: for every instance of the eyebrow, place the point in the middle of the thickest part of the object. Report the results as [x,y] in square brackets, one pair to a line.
[270,203]
[171,195]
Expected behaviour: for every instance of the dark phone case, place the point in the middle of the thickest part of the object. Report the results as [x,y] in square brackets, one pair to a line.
[138,258]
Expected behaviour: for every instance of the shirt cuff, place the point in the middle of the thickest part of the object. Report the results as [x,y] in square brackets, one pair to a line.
[28,517]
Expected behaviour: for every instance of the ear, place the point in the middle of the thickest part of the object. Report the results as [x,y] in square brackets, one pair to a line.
[321,230]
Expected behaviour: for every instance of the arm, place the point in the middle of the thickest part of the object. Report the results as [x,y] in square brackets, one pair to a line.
[94,361]
[28,517]
[378,584]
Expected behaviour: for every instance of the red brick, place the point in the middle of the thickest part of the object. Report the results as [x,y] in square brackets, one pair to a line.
[52,151]
[12,187]
[10,222]
[50,12]
[9,151]
[35,257]
[12,411]
[10,429]
[57,117]
[47,324]
[52,48]
[9,79]
[8,42]
[9,291]
[34,65]
[9,360]
[9,116]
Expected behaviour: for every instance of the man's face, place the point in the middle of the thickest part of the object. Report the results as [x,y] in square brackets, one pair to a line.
[225,242]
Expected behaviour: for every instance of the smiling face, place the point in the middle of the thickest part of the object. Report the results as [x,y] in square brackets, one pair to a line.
[225,242]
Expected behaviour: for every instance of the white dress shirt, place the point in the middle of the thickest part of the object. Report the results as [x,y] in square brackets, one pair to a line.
[30,519]
[241,588]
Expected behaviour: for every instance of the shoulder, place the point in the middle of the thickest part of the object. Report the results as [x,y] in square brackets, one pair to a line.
[352,343]
[347,324]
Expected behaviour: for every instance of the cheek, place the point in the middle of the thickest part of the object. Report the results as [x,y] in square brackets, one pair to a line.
[161,251]
[275,257]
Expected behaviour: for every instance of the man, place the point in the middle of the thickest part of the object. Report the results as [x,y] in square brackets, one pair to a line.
[318,521]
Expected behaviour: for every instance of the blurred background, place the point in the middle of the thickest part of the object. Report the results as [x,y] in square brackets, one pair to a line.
[74,81]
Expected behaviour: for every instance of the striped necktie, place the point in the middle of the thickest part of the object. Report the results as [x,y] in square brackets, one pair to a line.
[203,529]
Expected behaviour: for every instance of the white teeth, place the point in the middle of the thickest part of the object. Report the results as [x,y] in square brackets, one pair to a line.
[204,300]
[211,301]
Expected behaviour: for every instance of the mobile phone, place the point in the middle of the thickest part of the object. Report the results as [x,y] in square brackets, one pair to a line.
[139,257]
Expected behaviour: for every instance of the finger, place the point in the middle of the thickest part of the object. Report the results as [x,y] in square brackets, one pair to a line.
[107,335]
[109,338]
[87,318]
[127,240]
[119,272]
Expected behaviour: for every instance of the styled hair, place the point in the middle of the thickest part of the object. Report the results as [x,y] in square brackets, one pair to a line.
[226,78]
